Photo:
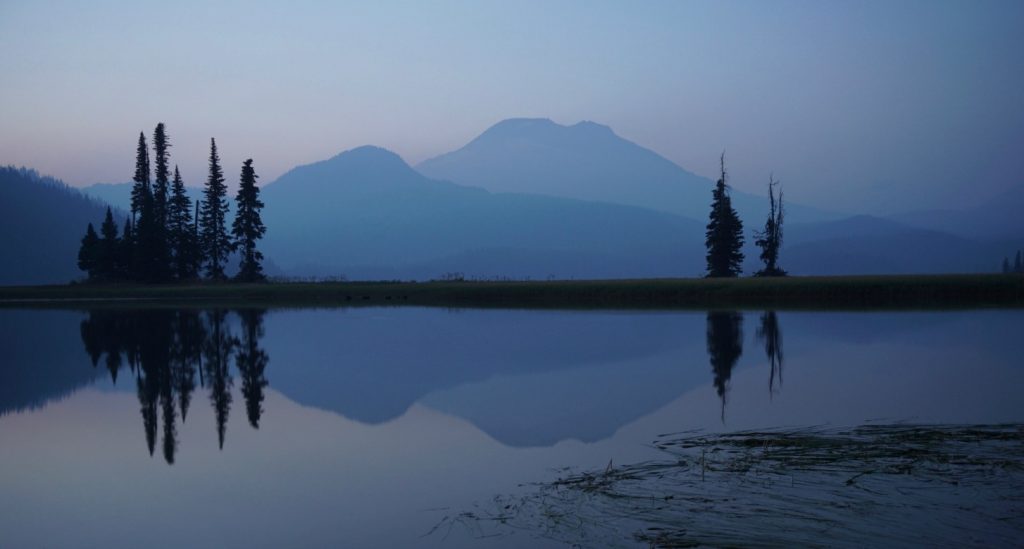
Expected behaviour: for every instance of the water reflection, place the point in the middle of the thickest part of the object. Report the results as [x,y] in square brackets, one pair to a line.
[770,334]
[170,353]
[251,361]
[167,350]
[725,345]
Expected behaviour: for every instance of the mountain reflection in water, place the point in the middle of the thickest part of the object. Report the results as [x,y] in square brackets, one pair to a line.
[171,353]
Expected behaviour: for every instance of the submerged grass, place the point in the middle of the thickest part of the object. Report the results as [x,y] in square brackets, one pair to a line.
[840,292]
[876,485]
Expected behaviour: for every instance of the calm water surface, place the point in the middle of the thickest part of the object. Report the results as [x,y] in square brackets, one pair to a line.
[368,426]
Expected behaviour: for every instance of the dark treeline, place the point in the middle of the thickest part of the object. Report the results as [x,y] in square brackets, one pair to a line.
[725,347]
[162,240]
[1016,267]
[171,354]
[724,236]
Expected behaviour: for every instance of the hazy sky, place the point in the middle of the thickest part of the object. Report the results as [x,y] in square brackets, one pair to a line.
[854,105]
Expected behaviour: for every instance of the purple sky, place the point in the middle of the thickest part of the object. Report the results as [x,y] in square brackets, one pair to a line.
[863,106]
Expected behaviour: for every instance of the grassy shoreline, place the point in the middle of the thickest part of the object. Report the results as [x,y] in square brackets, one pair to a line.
[840,292]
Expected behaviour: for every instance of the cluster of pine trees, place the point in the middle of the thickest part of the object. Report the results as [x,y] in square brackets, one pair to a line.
[724,236]
[162,241]
[1017,267]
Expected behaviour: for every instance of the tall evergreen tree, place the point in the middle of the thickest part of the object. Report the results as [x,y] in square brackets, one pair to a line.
[1018,267]
[141,179]
[770,239]
[215,243]
[248,226]
[180,234]
[150,257]
[126,251]
[109,248]
[161,173]
[88,252]
[1006,265]
[724,237]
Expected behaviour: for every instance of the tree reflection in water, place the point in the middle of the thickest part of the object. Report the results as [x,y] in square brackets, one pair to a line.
[725,345]
[167,350]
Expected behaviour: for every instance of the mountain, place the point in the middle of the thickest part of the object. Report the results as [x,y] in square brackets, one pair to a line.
[42,221]
[366,214]
[587,161]
[1002,216]
[119,195]
[371,366]
[43,360]
[871,245]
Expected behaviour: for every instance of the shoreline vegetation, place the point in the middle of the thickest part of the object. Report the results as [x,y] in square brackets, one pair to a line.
[834,292]
[872,485]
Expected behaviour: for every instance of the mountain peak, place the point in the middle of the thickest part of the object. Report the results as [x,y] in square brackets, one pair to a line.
[366,167]
[534,128]
[594,127]
[369,154]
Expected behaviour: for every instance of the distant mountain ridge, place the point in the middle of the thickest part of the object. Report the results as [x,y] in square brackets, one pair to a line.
[871,245]
[587,161]
[1002,216]
[367,210]
[119,195]
[42,221]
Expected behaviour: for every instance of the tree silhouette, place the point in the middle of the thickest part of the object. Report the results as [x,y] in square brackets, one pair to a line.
[770,239]
[217,352]
[147,392]
[126,250]
[771,335]
[248,226]
[109,248]
[160,249]
[189,335]
[1018,267]
[724,236]
[215,243]
[88,252]
[140,187]
[180,231]
[149,257]
[161,180]
[251,362]
[725,345]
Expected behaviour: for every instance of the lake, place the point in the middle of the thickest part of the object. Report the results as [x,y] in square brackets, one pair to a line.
[376,427]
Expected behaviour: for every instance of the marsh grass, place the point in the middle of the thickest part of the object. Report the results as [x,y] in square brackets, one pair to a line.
[860,292]
[876,485]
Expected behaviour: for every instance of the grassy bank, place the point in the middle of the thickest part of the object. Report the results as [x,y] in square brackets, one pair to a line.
[860,292]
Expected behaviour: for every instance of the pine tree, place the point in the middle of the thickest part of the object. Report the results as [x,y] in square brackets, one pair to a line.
[180,233]
[197,239]
[1018,267]
[141,179]
[145,258]
[770,239]
[160,182]
[248,226]
[1006,265]
[214,240]
[126,251]
[109,248]
[88,252]
[724,237]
